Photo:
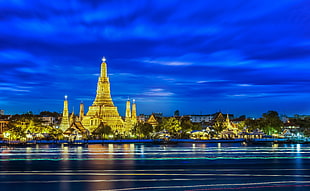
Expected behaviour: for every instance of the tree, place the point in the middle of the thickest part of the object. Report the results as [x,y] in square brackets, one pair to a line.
[158,128]
[241,125]
[306,132]
[51,114]
[271,122]
[102,130]
[15,133]
[142,129]
[242,118]
[303,123]
[219,126]
[107,130]
[197,126]
[146,130]
[55,133]
[187,126]
[172,125]
[176,113]
[253,124]
[19,125]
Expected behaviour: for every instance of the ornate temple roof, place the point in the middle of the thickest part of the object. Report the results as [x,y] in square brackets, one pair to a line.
[76,126]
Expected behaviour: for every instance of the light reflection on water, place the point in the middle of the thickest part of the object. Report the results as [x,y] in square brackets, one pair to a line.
[190,166]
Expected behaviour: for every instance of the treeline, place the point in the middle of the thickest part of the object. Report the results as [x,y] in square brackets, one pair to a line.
[21,126]
[269,123]
[179,127]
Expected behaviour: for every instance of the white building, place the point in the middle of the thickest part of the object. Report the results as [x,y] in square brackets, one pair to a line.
[201,118]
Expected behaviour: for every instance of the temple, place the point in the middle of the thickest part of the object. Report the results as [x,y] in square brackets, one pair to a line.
[103,109]
[101,113]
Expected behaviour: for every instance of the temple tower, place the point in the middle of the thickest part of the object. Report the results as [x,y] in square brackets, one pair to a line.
[64,125]
[72,118]
[134,112]
[129,122]
[103,109]
[103,96]
[81,114]
[128,112]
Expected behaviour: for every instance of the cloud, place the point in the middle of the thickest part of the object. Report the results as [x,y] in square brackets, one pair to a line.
[168,63]
[171,51]
[158,92]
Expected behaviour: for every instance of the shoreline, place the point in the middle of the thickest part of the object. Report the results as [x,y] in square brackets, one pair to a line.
[156,141]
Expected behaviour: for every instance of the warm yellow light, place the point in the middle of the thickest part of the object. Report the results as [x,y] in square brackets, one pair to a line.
[6,134]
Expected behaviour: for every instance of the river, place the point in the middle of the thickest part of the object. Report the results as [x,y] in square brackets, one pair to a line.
[182,166]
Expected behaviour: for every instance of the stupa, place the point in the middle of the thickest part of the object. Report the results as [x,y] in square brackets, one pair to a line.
[65,116]
[103,111]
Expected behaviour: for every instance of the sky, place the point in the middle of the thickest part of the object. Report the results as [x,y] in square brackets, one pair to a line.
[198,57]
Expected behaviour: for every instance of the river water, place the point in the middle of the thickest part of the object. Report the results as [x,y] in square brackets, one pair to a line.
[188,166]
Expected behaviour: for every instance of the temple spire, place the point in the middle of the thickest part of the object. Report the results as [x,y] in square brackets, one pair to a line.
[72,117]
[134,111]
[227,118]
[81,114]
[103,96]
[228,124]
[64,125]
[104,72]
[128,112]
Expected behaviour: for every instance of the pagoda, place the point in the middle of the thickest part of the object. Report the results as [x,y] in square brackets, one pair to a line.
[130,115]
[103,111]
[65,116]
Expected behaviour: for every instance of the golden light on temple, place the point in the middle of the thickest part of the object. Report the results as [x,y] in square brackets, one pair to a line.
[101,113]
[103,110]
[65,116]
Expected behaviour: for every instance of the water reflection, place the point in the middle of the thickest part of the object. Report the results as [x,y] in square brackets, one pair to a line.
[137,151]
[155,167]
[111,148]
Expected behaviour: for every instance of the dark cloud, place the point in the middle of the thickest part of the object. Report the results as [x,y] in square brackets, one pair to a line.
[167,54]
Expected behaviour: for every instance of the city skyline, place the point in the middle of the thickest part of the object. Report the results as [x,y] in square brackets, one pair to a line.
[240,57]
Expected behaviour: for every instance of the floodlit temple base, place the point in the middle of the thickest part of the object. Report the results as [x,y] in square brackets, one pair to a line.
[107,115]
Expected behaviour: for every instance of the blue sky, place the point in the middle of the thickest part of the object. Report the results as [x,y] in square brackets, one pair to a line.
[199,57]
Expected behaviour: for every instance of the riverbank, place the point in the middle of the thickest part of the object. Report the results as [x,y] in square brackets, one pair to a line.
[155,141]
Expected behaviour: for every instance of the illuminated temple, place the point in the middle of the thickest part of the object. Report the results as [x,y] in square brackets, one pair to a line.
[102,112]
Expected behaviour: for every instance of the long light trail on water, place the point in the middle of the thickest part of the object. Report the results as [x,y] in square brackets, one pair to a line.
[251,185]
[202,170]
[162,158]
[158,170]
[152,174]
